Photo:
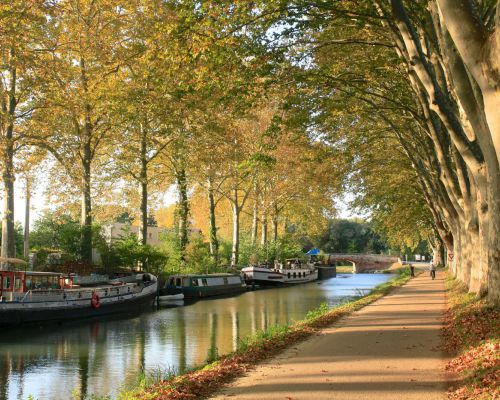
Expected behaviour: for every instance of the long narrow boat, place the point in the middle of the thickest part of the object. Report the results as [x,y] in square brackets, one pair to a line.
[196,286]
[36,297]
[290,273]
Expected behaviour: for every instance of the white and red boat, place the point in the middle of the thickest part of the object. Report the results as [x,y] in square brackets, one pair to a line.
[290,273]
[35,297]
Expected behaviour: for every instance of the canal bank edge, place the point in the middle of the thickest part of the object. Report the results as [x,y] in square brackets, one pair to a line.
[205,380]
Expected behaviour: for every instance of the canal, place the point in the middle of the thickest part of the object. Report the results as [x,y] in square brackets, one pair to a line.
[101,356]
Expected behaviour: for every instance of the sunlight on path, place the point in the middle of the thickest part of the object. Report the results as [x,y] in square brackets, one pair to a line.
[388,350]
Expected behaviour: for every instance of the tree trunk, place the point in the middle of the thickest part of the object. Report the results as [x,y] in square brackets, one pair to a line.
[8,237]
[86,216]
[275,230]
[275,224]
[26,251]
[183,209]
[214,243]
[470,116]
[144,188]
[494,243]
[255,221]
[236,230]
[86,155]
[263,239]
[8,177]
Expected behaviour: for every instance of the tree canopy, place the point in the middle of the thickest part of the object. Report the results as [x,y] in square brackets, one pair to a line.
[266,110]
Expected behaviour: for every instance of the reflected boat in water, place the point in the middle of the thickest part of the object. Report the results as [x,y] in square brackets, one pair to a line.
[101,356]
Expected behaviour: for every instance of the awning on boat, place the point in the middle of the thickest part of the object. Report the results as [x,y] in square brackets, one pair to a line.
[313,252]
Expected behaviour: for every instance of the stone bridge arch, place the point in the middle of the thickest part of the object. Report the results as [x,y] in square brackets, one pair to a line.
[364,262]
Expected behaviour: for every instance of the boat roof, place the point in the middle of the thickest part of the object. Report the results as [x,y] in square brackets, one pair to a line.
[42,273]
[219,275]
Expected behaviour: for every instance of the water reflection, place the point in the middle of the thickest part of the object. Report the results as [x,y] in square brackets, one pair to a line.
[100,356]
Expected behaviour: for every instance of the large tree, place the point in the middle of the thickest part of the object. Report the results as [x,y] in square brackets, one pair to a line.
[21,33]
[448,56]
[86,52]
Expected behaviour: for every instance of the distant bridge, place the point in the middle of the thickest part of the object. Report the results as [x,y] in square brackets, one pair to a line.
[364,262]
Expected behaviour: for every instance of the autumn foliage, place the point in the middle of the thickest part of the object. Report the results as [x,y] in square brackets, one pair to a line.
[472,334]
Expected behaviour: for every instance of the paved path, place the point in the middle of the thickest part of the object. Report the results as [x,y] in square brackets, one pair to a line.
[387,350]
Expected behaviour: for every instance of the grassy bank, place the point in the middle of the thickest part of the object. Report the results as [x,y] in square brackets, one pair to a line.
[344,269]
[206,380]
[472,336]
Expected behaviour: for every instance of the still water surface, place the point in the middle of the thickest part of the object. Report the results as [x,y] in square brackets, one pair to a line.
[101,356]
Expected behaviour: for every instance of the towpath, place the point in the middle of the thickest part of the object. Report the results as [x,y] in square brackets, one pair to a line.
[387,350]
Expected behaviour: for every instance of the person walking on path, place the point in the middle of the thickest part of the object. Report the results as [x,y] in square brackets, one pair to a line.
[432,268]
[389,350]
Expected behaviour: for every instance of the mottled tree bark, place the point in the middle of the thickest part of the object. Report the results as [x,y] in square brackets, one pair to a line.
[86,155]
[27,220]
[263,239]
[183,209]
[235,251]
[255,221]
[214,242]
[8,237]
[467,65]
[143,178]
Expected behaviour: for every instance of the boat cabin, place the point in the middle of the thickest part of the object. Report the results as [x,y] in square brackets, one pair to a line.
[195,286]
[293,263]
[16,282]
[180,281]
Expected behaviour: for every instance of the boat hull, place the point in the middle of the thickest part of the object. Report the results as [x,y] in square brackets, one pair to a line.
[200,286]
[194,293]
[16,313]
[327,272]
[200,292]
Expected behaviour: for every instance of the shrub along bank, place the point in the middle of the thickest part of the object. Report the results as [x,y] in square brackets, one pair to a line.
[472,336]
[204,381]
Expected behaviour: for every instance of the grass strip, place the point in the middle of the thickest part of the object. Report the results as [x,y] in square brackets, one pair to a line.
[207,379]
[472,337]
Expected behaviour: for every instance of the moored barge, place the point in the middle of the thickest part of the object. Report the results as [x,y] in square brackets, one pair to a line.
[290,273]
[37,297]
[204,285]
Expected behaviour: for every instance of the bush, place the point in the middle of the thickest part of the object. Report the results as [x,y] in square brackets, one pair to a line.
[129,252]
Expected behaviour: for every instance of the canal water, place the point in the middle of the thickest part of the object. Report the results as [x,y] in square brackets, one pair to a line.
[99,357]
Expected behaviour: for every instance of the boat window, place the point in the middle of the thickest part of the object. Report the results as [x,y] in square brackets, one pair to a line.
[42,282]
[171,282]
[178,282]
[18,283]
[289,275]
[6,282]
[186,282]
[204,281]
[294,275]
[194,282]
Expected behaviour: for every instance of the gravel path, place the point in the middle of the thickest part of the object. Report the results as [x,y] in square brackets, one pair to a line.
[387,350]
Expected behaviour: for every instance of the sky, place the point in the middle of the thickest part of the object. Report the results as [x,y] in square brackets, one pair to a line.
[38,204]
[39,201]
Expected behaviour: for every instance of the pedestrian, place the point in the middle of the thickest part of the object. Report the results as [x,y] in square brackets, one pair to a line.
[432,268]
[412,270]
